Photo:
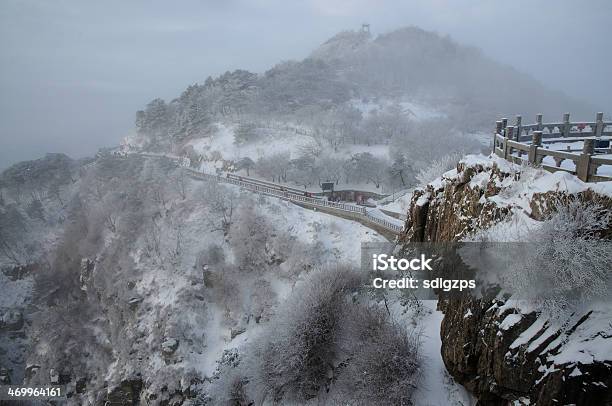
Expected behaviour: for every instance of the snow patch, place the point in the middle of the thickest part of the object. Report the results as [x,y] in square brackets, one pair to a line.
[509,321]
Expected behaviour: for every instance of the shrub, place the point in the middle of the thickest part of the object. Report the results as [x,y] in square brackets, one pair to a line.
[383,365]
[566,263]
[293,357]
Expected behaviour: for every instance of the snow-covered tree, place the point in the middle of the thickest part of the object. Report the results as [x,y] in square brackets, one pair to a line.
[436,168]
[246,164]
[249,236]
[245,132]
[221,202]
[566,262]
[383,366]
[154,119]
[303,171]
[331,168]
[368,168]
[292,358]
[400,170]
[274,166]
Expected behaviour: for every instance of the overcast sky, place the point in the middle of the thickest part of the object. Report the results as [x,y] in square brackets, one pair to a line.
[72,73]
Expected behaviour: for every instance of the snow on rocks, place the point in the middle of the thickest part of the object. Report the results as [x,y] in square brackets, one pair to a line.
[508,349]
[530,333]
[510,321]
[169,346]
[479,195]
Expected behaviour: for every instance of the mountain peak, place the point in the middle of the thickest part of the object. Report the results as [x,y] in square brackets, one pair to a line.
[342,44]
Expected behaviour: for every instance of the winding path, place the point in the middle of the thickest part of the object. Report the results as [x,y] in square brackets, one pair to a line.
[389,227]
[373,218]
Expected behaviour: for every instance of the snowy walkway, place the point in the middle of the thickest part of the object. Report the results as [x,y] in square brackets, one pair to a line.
[372,218]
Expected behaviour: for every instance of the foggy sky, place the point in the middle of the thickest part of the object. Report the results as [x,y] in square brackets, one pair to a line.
[73,73]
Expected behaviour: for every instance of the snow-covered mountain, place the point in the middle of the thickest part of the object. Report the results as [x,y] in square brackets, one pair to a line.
[360,111]
[132,278]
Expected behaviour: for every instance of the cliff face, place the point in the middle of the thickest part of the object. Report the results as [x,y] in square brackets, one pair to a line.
[33,203]
[509,351]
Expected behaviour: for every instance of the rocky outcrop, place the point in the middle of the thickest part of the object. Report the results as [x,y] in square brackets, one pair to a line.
[450,209]
[126,393]
[133,391]
[499,361]
[169,346]
[15,288]
[500,351]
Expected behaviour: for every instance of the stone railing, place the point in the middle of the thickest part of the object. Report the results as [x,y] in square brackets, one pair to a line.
[302,198]
[533,143]
[291,194]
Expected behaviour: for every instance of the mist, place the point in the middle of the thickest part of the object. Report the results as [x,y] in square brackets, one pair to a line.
[72,74]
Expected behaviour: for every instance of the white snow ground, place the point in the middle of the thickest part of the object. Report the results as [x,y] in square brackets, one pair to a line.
[438,387]
[341,239]
[413,109]
[222,141]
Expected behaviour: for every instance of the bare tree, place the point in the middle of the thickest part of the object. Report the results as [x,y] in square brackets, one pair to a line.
[177,248]
[369,168]
[331,168]
[273,166]
[9,252]
[312,148]
[153,240]
[110,220]
[222,202]
[181,183]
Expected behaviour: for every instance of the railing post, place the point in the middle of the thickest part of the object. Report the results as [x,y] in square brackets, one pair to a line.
[504,123]
[598,125]
[566,125]
[536,142]
[509,136]
[584,160]
[498,127]
[539,122]
[519,130]
[588,146]
[498,130]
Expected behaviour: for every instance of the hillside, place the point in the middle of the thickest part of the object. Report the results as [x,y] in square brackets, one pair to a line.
[403,65]
[460,80]
[362,112]
[133,254]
